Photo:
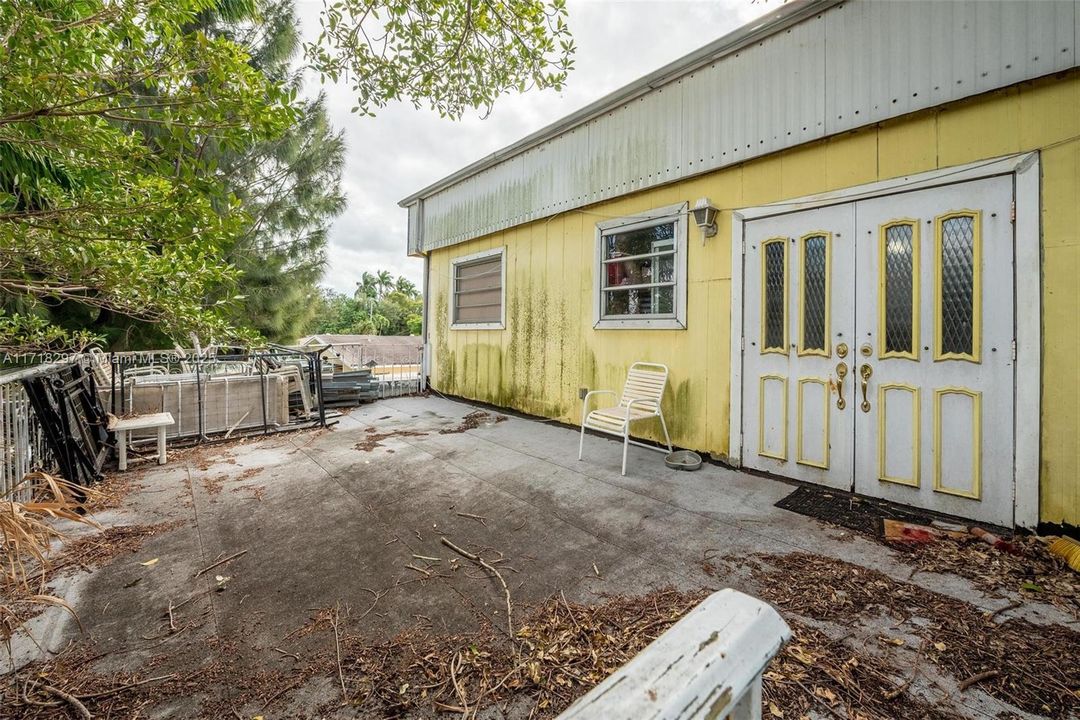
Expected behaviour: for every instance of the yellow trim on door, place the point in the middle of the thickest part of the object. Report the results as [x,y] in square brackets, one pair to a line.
[976,441]
[826,351]
[916,434]
[765,349]
[916,289]
[976,286]
[761,417]
[824,383]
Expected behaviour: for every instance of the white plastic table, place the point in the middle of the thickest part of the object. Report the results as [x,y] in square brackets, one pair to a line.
[123,426]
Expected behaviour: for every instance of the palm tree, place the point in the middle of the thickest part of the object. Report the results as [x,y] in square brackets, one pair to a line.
[384,281]
[368,287]
[406,287]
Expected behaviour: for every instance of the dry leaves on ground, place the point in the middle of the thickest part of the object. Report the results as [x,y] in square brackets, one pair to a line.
[1033,572]
[1036,665]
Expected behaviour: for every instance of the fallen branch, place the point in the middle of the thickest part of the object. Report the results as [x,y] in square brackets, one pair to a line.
[71,700]
[378,596]
[194,597]
[1011,606]
[480,518]
[899,689]
[289,654]
[457,688]
[113,691]
[490,568]
[818,700]
[220,562]
[568,610]
[337,650]
[975,679]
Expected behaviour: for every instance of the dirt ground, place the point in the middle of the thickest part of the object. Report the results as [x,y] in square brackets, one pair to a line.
[306,575]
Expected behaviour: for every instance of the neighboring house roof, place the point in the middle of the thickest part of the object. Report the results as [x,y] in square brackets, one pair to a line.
[361,350]
[807,70]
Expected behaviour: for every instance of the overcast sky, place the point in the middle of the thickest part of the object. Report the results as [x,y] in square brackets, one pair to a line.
[402,150]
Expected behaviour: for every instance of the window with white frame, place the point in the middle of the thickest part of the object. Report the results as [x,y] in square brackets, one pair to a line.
[641,270]
[477,290]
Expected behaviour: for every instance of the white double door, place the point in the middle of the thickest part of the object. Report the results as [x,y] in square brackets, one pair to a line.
[878,348]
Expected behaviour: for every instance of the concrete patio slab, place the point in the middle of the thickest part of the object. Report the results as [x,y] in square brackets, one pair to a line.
[322,522]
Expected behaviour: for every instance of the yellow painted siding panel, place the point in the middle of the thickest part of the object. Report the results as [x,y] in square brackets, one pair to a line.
[984,127]
[1060,202]
[549,349]
[1060,496]
[908,146]
[852,160]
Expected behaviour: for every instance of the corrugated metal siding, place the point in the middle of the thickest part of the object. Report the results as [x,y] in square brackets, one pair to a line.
[414,228]
[852,65]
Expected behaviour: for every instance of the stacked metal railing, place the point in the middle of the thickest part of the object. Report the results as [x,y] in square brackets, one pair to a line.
[394,371]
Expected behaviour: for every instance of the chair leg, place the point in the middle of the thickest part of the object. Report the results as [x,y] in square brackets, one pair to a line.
[581,443]
[625,446]
[667,437]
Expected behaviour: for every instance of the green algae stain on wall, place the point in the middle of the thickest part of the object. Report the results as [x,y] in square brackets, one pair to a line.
[443,362]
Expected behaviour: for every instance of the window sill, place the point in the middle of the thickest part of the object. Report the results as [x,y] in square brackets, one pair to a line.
[654,324]
[478,326]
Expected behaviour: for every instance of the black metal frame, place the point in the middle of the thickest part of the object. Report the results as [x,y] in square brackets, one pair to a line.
[72,420]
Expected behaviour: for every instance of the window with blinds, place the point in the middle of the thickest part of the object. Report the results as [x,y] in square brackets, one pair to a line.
[478,290]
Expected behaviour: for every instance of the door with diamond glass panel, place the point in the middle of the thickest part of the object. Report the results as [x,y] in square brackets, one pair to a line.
[799,315]
[933,366]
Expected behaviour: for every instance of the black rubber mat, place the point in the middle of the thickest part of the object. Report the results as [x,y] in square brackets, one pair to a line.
[863,515]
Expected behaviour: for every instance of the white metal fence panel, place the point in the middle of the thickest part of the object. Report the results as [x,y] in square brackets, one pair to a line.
[22,443]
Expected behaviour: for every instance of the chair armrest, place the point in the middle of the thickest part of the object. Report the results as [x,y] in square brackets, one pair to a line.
[585,400]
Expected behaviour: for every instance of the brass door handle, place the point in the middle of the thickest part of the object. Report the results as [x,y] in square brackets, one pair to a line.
[865,371]
[841,373]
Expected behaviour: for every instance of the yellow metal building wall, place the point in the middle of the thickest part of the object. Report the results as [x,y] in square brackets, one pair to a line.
[549,348]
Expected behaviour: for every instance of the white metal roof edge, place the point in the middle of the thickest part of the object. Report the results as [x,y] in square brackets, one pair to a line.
[770,24]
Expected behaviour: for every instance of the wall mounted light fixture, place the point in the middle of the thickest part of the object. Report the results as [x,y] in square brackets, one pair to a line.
[705,217]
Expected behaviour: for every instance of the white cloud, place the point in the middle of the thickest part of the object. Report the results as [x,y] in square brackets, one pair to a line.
[403,149]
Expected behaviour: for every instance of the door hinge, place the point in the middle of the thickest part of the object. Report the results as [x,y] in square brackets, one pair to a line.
[1014,350]
[1012,212]
[742,344]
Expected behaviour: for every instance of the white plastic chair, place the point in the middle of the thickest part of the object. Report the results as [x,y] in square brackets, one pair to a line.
[641,397]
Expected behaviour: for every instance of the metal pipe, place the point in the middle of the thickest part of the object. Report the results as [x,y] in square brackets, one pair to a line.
[262,392]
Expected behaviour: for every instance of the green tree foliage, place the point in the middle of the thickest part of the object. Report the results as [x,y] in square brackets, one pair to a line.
[451,54]
[381,305]
[156,165]
[289,186]
[91,211]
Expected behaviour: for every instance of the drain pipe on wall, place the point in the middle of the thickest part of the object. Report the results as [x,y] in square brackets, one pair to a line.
[425,358]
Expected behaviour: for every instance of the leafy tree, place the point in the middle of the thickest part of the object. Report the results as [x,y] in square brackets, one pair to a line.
[451,54]
[289,186]
[126,125]
[342,315]
[92,212]
[370,311]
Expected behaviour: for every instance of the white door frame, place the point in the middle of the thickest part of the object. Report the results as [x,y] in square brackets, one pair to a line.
[1027,259]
